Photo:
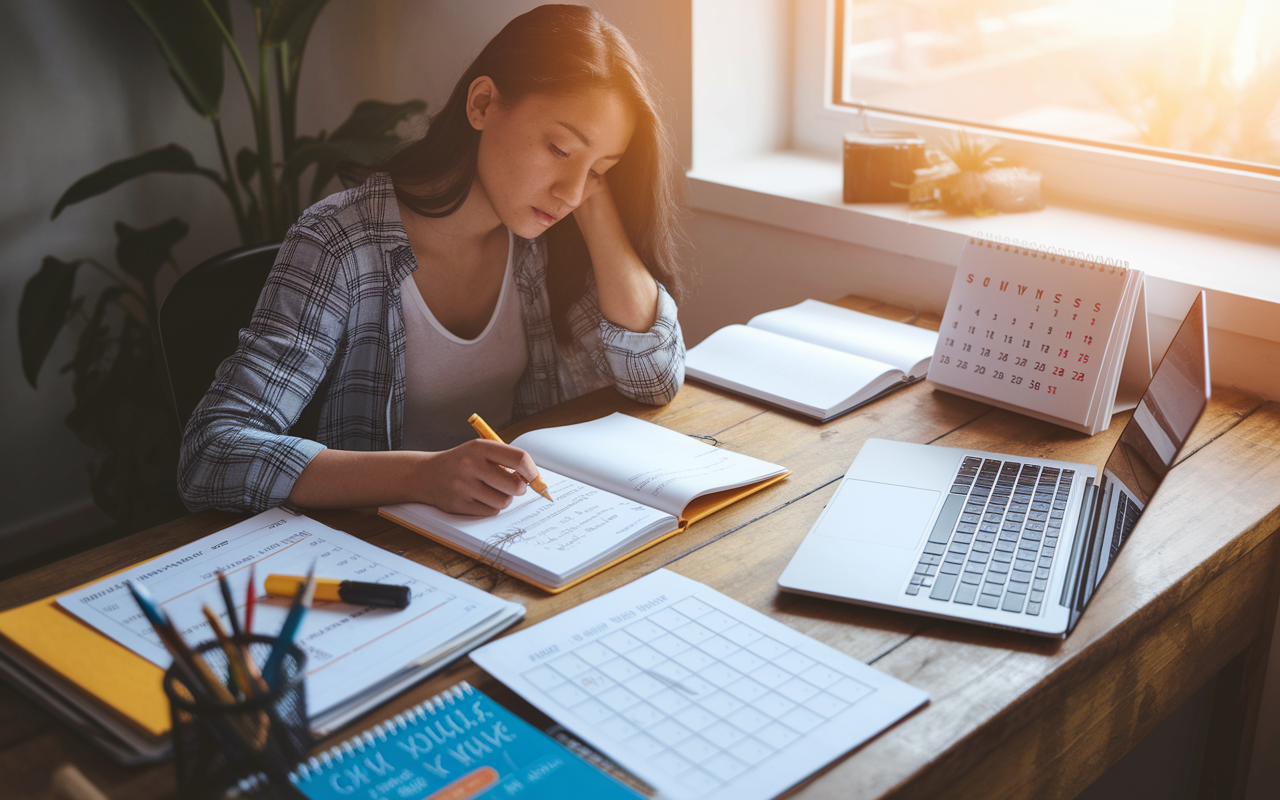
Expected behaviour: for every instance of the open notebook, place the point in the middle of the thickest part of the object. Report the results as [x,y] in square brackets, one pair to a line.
[620,484]
[815,358]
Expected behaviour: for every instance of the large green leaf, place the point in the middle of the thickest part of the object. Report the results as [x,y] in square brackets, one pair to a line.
[191,42]
[46,301]
[291,21]
[142,253]
[367,136]
[246,167]
[374,118]
[170,158]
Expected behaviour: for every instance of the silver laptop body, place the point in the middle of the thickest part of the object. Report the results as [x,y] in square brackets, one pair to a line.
[1013,542]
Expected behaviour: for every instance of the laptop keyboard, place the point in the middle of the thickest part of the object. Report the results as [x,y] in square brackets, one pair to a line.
[994,542]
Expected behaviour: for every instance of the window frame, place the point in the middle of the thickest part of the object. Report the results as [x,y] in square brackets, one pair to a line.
[1136,179]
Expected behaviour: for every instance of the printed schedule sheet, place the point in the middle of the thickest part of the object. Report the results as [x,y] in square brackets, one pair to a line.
[695,693]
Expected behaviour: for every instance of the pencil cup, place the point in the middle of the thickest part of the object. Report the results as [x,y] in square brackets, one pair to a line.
[252,741]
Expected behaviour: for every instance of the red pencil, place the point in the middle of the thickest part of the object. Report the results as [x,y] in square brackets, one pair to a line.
[251,595]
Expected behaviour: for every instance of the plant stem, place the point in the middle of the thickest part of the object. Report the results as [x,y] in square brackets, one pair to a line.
[125,281]
[235,52]
[233,194]
[286,90]
[262,126]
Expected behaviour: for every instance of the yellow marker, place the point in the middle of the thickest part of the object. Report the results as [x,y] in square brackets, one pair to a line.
[482,428]
[386,595]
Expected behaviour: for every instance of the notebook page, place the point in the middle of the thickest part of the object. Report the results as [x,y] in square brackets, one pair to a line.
[552,542]
[903,346]
[642,461]
[804,377]
[695,693]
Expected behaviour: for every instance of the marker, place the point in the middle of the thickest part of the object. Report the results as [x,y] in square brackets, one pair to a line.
[385,595]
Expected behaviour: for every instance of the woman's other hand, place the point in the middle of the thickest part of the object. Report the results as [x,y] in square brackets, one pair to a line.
[628,293]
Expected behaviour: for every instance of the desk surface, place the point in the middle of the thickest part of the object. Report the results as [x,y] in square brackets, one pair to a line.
[1192,595]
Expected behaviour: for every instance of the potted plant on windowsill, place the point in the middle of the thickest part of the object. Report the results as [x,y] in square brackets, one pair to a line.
[121,407]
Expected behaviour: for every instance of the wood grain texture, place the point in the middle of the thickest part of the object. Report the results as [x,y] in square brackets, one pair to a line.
[1010,716]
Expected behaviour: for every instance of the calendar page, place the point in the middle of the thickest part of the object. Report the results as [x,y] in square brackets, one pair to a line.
[1035,329]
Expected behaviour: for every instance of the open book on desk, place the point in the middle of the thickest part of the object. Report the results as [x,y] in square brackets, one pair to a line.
[620,485]
[91,658]
[814,358]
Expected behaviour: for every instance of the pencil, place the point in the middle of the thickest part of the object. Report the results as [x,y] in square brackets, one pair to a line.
[235,657]
[289,630]
[225,588]
[482,428]
[250,596]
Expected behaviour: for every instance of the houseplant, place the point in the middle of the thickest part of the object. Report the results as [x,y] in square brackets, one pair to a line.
[120,392]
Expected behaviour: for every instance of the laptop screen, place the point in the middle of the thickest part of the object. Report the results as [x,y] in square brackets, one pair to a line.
[1144,454]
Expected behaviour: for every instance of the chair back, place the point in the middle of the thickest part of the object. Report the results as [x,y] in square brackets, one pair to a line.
[201,318]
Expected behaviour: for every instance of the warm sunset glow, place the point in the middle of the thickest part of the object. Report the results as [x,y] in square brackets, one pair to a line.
[1182,75]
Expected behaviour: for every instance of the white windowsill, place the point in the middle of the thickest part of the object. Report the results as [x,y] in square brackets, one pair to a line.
[802,192]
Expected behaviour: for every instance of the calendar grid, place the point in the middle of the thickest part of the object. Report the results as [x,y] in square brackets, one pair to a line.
[699,694]
[1034,329]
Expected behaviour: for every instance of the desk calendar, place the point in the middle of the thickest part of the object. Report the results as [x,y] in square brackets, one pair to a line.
[1045,332]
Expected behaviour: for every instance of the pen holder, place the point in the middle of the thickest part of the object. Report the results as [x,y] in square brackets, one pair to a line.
[255,741]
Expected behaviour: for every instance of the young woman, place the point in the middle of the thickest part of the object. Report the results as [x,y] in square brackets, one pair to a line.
[519,254]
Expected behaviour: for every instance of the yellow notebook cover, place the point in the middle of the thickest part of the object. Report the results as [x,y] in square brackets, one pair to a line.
[109,673]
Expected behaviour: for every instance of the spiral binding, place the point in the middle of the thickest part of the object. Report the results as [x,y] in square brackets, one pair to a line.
[356,745]
[1049,253]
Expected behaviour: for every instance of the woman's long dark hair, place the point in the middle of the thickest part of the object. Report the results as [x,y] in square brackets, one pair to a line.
[559,50]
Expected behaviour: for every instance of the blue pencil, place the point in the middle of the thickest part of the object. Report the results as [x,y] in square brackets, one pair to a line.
[289,630]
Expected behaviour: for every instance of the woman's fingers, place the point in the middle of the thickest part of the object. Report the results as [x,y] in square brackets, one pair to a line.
[481,477]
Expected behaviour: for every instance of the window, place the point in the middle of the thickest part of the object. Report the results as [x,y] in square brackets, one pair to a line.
[1197,80]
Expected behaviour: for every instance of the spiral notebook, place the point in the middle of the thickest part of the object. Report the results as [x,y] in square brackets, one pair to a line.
[460,744]
[1056,334]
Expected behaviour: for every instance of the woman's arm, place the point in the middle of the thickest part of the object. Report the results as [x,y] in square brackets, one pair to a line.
[628,294]
[477,477]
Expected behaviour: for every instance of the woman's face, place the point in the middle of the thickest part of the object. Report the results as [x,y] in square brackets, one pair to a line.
[541,157]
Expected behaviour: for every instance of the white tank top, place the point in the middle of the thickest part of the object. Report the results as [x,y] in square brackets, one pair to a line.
[449,378]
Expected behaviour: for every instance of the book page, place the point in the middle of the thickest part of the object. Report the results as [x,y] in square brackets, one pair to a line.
[349,648]
[897,344]
[550,541]
[801,376]
[644,462]
[695,693]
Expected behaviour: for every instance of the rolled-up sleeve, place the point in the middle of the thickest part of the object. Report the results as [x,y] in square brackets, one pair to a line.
[236,452]
[647,366]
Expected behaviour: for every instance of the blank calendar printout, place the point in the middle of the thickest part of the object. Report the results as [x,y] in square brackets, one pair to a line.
[695,693]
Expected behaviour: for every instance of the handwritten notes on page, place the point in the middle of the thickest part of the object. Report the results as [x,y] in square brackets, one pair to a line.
[695,693]
[349,648]
[552,543]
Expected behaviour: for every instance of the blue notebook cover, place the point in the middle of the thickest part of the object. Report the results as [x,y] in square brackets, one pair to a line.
[458,745]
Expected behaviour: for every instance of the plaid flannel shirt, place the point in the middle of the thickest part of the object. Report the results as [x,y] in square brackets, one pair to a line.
[329,323]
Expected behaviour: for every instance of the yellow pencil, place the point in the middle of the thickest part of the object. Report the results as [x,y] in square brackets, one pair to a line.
[482,428]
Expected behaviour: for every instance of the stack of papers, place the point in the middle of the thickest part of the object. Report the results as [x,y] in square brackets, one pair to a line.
[92,659]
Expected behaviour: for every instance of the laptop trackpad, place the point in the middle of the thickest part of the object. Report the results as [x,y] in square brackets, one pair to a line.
[879,513]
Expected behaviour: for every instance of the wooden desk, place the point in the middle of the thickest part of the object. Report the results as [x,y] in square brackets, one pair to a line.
[1193,594]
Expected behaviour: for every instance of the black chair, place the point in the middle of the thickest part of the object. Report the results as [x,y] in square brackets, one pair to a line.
[201,318]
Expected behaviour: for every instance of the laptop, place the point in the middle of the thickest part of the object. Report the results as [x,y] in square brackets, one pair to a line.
[1011,542]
